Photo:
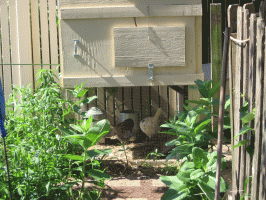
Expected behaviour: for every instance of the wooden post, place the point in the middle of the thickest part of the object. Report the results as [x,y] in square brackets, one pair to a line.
[237,105]
[258,112]
[251,88]
[216,46]
[221,114]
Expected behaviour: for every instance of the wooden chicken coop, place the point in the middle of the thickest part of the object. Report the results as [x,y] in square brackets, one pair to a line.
[133,54]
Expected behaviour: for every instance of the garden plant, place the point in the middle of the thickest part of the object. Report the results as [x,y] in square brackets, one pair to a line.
[196,176]
[41,159]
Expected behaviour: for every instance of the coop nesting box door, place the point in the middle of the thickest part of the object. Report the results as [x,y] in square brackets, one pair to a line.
[140,46]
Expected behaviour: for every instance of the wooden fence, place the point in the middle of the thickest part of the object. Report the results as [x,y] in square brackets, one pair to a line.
[247,83]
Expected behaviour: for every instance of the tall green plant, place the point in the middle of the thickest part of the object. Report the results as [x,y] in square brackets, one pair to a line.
[195,179]
[88,136]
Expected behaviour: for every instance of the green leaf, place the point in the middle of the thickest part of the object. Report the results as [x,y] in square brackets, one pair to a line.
[214,89]
[210,181]
[98,174]
[172,194]
[197,174]
[241,143]
[204,91]
[74,157]
[248,118]
[82,93]
[201,126]
[88,100]
[185,175]
[98,130]
[179,127]
[174,142]
[206,190]
[243,130]
[199,157]
[191,118]
[98,152]
[77,128]
[198,102]
[187,166]
[173,182]
[87,123]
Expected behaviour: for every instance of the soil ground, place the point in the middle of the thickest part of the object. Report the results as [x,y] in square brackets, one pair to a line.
[132,181]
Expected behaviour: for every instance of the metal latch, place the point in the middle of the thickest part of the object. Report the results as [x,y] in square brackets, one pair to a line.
[150,72]
[76,48]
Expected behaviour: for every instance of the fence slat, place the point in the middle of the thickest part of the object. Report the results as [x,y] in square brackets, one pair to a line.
[127,98]
[5,49]
[251,89]
[237,106]
[154,99]
[109,107]
[262,183]
[35,29]
[216,47]
[145,110]
[172,103]
[44,34]
[258,112]
[163,102]
[245,74]
[53,35]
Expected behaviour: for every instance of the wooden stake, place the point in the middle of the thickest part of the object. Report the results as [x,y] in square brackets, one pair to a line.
[221,112]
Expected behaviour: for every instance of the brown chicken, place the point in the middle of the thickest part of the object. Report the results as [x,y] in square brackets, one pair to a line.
[124,130]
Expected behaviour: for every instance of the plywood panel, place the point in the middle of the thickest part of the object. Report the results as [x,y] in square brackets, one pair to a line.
[139,46]
[130,11]
[140,80]
[139,3]
[96,47]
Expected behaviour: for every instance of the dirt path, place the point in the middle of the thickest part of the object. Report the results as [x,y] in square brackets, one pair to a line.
[138,182]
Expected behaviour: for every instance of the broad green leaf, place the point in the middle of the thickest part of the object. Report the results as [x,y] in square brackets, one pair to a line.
[206,190]
[197,174]
[214,89]
[241,143]
[211,165]
[191,118]
[172,194]
[98,152]
[210,181]
[204,91]
[174,142]
[185,175]
[248,118]
[88,123]
[99,129]
[201,126]
[77,128]
[199,157]
[88,100]
[187,166]
[98,174]
[183,149]
[243,130]
[74,157]
[179,127]
[173,182]
[82,93]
